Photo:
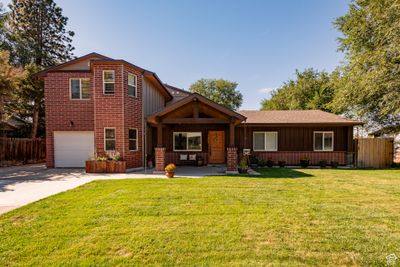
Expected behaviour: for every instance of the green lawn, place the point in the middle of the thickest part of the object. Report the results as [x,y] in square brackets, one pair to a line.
[285,217]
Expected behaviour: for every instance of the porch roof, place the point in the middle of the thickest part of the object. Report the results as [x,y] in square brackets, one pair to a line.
[229,116]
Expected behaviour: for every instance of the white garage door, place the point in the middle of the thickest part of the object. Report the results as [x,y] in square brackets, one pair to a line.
[72,149]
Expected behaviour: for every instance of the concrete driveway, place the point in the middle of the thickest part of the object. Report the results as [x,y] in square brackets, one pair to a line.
[25,184]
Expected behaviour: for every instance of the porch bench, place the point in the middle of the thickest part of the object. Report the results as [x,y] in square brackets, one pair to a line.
[187,159]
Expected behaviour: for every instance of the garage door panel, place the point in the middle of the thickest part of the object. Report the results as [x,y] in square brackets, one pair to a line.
[72,149]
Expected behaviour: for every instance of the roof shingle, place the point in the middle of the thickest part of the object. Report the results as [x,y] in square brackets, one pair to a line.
[295,117]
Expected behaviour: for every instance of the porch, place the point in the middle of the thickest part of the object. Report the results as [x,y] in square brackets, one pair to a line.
[194,131]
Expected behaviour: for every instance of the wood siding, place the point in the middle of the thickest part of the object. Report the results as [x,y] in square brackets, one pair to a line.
[296,138]
[153,100]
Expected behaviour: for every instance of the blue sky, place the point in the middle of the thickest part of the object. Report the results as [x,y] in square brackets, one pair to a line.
[258,44]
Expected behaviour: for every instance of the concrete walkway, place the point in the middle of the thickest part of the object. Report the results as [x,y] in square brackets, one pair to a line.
[25,184]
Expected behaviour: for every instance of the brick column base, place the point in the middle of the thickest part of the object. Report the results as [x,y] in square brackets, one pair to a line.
[231,160]
[160,159]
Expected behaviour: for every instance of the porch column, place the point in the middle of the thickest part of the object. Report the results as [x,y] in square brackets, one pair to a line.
[160,159]
[231,160]
[159,150]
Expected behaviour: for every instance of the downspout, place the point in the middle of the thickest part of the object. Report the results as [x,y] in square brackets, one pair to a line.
[123,110]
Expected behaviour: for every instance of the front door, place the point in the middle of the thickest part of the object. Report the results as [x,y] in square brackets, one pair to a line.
[216,147]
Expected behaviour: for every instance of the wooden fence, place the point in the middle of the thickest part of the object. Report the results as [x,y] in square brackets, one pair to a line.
[21,150]
[374,152]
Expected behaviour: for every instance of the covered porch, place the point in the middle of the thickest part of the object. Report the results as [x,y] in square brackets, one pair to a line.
[194,131]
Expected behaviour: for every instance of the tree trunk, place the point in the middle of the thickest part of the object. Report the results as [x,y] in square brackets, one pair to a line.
[35,119]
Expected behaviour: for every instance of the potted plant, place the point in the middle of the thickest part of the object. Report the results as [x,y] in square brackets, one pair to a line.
[107,163]
[334,164]
[270,163]
[243,166]
[150,162]
[170,170]
[282,163]
[253,161]
[304,162]
[323,163]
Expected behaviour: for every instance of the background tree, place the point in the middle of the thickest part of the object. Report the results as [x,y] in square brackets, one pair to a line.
[370,77]
[310,89]
[9,78]
[221,91]
[37,32]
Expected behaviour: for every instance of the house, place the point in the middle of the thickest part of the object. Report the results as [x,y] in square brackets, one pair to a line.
[96,104]
[12,126]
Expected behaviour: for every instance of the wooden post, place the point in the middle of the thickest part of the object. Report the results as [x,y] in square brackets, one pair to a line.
[159,133]
[231,134]
[195,108]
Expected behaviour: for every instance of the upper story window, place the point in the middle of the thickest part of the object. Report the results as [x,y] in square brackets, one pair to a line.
[132,85]
[265,141]
[108,82]
[187,141]
[79,88]
[323,141]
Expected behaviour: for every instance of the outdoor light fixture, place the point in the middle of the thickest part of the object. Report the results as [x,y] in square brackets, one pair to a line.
[71,124]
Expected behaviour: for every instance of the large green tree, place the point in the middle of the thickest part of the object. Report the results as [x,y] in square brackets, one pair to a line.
[369,84]
[39,39]
[221,91]
[310,89]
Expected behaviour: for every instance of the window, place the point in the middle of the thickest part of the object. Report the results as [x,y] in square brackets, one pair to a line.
[132,136]
[323,141]
[108,82]
[265,141]
[187,141]
[109,139]
[132,81]
[79,88]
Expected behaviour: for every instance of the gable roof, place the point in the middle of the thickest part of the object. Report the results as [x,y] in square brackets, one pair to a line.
[97,58]
[195,97]
[58,67]
[177,92]
[288,117]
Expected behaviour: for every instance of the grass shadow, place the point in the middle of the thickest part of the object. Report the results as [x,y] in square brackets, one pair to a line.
[278,173]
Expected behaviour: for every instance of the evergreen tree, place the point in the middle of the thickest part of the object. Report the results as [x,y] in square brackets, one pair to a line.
[39,39]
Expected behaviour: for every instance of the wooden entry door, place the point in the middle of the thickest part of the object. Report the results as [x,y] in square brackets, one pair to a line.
[216,147]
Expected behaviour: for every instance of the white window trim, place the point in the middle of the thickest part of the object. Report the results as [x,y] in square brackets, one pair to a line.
[265,141]
[80,89]
[188,150]
[135,85]
[104,83]
[137,138]
[105,139]
[323,141]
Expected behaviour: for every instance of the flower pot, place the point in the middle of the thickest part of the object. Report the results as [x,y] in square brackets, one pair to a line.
[304,163]
[170,174]
[111,166]
[282,164]
[334,164]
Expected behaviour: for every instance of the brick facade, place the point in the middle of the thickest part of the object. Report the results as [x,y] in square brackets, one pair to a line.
[160,159]
[62,113]
[231,160]
[118,111]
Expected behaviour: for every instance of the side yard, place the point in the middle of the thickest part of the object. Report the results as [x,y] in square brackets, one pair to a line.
[284,217]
